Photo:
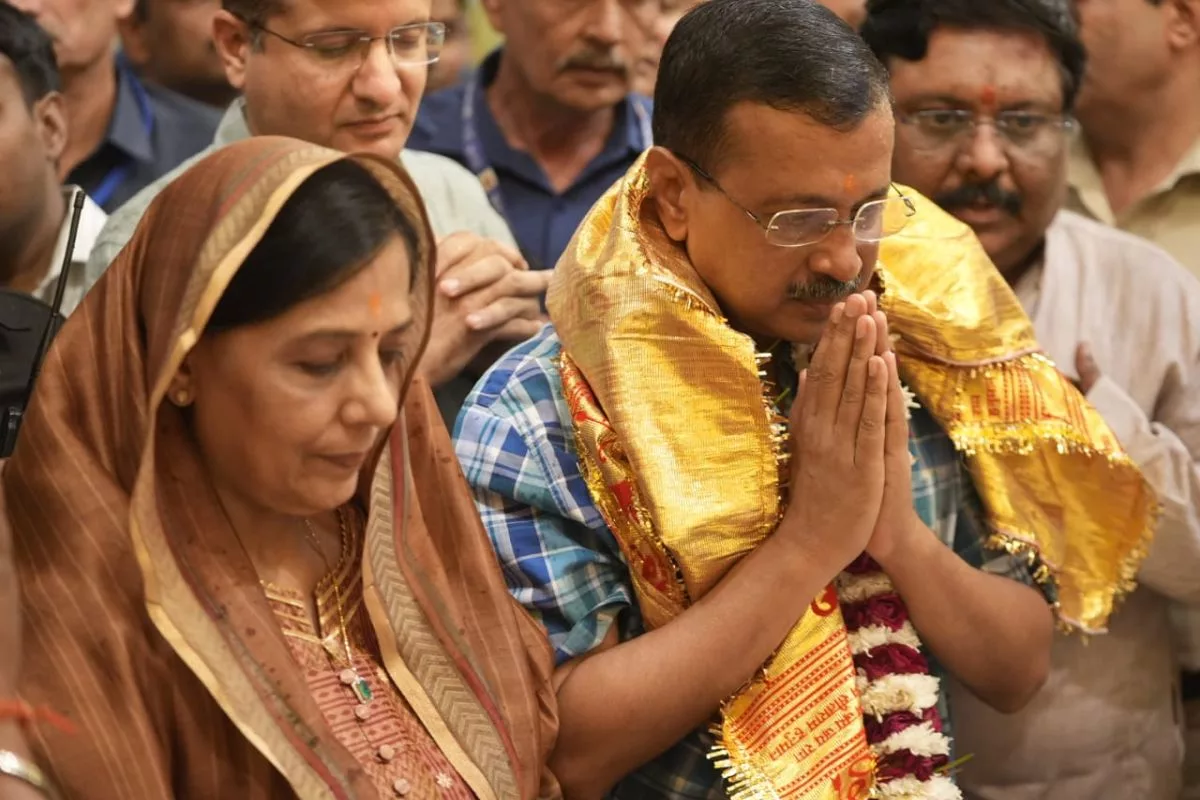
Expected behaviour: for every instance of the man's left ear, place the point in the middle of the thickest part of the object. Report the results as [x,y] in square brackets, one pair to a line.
[50,116]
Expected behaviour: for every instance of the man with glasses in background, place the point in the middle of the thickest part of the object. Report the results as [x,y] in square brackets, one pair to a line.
[349,74]
[984,93]
[632,462]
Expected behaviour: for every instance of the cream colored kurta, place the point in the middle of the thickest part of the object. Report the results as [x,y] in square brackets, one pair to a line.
[1106,726]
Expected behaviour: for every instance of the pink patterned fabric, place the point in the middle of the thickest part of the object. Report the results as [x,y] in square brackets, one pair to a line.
[415,767]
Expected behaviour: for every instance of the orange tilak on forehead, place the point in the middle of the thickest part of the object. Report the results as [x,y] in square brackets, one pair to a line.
[988,97]
[375,304]
[850,183]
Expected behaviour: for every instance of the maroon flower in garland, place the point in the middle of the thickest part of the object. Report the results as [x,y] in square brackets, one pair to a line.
[863,565]
[892,659]
[878,730]
[904,763]
[887,610]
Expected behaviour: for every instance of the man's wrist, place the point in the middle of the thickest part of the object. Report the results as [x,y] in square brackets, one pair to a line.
[806,549]
[906,544]
[436,369]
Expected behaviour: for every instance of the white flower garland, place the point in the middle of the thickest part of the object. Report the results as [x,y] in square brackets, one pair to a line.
[857,588]
[936,788]
[864,640]
[890,694]
[921,739]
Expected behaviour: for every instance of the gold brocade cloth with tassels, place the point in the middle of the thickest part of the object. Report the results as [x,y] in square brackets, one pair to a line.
[682,453]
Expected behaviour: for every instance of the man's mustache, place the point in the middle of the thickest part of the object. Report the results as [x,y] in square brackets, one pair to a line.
[602,60]
[972,194]
[824,290]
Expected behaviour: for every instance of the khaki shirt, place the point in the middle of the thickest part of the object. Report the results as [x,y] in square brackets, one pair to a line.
[1169,216]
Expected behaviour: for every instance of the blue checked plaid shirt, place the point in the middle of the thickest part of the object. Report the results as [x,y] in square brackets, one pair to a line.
[564,565]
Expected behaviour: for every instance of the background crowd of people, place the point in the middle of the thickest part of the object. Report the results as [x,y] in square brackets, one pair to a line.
[1064,133]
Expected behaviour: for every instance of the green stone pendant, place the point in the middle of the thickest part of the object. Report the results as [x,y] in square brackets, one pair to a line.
[362,690]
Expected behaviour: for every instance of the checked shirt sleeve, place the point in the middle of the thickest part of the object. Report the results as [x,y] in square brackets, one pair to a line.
[559,558]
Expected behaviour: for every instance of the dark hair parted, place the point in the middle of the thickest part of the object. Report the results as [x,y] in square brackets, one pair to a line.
[325,234]
[791,55]
[27,45]
[901,29]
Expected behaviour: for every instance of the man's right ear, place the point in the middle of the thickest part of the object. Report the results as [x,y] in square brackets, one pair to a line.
[234,39]
[672,187]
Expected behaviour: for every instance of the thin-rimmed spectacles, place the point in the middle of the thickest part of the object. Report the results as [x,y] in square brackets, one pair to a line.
[416,44]
[873,222]
[1026,132]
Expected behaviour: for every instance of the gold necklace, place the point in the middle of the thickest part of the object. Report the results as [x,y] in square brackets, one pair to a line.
[349,676]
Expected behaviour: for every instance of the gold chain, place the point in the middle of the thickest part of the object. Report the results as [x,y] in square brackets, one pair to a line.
[315,543]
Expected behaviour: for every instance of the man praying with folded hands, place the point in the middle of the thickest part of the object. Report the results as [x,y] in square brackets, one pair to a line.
[754,549]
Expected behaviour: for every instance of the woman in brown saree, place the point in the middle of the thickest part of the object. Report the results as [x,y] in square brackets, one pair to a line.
[250,567]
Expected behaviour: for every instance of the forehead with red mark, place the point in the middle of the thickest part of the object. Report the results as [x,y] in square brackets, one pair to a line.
[983,70]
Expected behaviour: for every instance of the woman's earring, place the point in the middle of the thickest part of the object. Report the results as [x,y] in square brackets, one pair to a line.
[182,398]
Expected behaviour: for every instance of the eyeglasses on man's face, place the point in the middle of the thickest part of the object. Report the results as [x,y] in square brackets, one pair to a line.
[416,44]
[874,221]
[1028,133]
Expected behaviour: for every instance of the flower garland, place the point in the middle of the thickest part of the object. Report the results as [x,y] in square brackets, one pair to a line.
[898,692]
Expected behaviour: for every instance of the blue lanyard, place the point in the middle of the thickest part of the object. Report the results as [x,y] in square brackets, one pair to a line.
[120,173]
[477,160]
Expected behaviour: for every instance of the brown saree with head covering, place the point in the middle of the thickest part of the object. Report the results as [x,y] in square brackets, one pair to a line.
[144,620]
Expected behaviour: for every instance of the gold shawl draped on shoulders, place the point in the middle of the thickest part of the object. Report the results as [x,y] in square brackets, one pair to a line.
[144,621]
[681,451]
[1055,482]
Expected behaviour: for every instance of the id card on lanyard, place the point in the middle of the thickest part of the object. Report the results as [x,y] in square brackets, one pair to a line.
[120,173]
[477,160]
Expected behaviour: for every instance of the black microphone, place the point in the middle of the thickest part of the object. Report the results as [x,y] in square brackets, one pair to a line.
[18,315]
[64,275]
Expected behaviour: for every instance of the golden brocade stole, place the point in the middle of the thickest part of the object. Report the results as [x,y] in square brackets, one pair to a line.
[800,726]
[681,451]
